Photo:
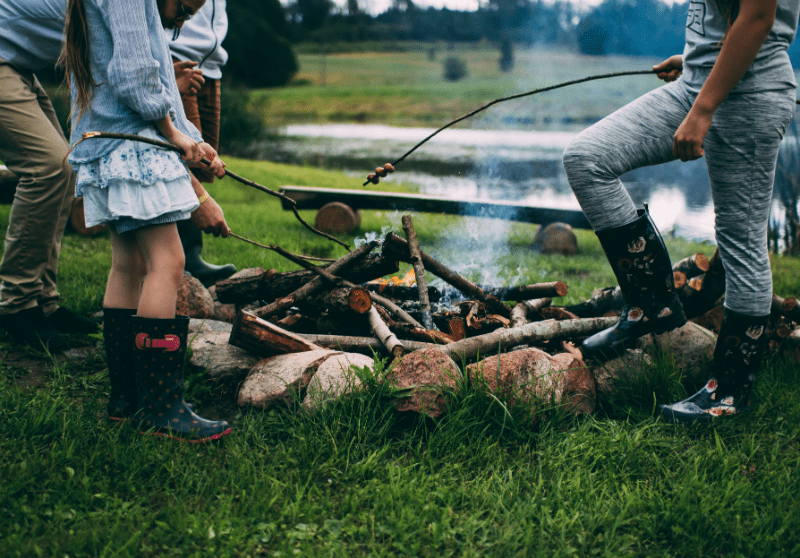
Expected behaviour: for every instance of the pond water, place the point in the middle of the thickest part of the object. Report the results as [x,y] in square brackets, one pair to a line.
[496,165]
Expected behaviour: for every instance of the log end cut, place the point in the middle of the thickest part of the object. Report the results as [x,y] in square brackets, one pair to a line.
[337,218]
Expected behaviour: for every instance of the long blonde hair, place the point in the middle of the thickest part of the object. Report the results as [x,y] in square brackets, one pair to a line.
[75,58]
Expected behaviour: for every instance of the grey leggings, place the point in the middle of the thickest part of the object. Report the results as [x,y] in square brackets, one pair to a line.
[741,152]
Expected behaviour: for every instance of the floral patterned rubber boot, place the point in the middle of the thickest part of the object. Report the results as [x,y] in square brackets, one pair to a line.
[737,358]
[159,354]
[643,270]
[118,345]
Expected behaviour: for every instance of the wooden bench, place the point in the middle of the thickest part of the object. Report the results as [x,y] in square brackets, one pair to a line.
[335,207]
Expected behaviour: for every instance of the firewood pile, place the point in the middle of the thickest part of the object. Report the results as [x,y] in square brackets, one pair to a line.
[303,330]
[348,305]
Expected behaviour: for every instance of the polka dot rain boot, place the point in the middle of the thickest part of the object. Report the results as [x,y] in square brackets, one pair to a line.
[159,353]
[643,270]
[118,344]
[737,358]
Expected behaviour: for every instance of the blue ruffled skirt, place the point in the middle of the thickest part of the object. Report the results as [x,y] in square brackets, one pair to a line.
[135,185]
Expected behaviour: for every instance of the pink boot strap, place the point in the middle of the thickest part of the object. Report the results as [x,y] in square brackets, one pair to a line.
[170,342]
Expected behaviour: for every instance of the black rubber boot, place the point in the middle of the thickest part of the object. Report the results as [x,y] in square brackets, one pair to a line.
[30,326]
[160,350]
[67,321]
[737,358]
[118,344]
[192,241]
[641,264]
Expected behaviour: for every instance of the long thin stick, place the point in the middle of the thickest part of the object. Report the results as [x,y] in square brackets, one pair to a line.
[266,247]
[245,181]
[517,96]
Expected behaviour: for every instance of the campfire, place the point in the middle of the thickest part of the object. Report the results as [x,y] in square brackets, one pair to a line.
[361,305]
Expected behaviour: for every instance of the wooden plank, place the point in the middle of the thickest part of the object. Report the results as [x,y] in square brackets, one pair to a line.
[314,198]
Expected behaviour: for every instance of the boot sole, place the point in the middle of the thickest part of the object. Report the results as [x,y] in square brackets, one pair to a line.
[188,440]
[686,418]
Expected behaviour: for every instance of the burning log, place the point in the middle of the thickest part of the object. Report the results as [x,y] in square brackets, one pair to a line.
[259,336]
[315,284]
[397,245]
[419,271]
[328,276]
[344,300]
[528,334]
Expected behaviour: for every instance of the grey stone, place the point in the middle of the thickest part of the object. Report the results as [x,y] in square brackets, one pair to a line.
[211,351]
[689,347]
[625,368]
[277,380]
[335,378]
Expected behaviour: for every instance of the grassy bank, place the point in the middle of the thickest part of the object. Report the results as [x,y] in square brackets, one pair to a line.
[359,479]
[408,89]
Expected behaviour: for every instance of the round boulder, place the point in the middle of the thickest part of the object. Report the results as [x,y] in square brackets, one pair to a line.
[425,374]
[194,300]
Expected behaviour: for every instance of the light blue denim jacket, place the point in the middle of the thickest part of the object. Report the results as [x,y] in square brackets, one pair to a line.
[131,64]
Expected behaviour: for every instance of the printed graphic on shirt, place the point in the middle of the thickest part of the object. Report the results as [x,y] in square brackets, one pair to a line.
[696,17]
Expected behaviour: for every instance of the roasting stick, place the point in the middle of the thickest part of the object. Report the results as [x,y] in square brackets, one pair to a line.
[266,247]
[246,182]
[389,167]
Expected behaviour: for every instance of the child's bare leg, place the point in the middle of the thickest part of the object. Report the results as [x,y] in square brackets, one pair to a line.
[161,248]
[127,272]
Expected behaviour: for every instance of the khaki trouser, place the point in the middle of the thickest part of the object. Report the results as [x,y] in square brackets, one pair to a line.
[33,146]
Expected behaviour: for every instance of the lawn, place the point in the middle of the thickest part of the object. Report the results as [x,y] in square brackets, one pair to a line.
[408,89]
[357,478]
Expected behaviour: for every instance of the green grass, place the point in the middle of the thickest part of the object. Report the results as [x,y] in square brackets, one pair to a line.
[407,89]
[359,479]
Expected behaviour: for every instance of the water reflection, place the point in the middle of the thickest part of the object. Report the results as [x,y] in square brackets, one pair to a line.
[497,165]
